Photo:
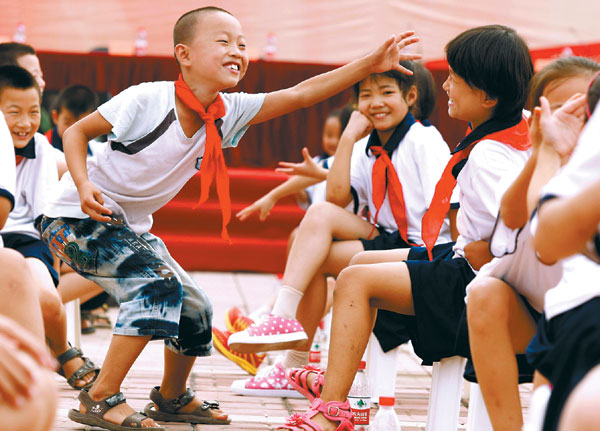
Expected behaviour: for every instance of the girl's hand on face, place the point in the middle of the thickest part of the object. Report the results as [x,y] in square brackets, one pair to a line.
[388,56]
[358,126]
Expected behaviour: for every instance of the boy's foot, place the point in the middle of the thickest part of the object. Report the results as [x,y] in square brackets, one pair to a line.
[247,361]
[236,320]
[272,332]
[110,413]
[79,371]
[184,408]
[271,381]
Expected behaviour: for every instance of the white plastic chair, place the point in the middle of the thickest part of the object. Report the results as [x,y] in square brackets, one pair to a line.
[444,398]
[382,369]
[477,418]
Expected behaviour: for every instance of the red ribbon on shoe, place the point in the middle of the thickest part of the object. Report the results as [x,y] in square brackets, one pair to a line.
[213,163]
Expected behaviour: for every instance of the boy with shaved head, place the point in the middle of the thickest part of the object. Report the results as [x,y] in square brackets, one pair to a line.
[161,134]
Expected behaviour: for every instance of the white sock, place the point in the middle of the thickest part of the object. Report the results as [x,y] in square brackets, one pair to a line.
[287,302]
[295,359]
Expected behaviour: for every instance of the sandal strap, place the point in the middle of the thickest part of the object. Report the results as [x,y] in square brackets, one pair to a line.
[334,411]
[99,408]
[174,404]
[212,405]
[134,420]
[300,376]
[67,355]
[87,367]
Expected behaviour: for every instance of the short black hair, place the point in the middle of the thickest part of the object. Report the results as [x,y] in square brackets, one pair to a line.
[17,77]
[77,99]
[426,93]
[563,68]
[185,27]
[495,59]
[404,81]
[10,52]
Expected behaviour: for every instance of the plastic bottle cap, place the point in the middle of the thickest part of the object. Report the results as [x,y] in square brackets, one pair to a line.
[362,365]
[387,401]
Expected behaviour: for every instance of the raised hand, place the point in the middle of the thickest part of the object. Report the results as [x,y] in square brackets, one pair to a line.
[561,128]
[389,55]
[308,167]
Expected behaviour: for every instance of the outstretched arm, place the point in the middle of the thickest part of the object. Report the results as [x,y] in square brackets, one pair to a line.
[321,87]
[308,167]
[264,205]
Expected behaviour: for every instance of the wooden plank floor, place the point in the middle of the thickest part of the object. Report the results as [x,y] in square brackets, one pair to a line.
[212,376]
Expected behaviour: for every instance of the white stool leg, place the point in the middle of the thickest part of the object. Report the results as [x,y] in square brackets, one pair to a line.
[446,389]
[477,419]
[382,370]
[73,322]
[537,408]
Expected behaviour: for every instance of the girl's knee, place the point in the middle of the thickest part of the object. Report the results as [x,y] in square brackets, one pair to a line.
[350,281]
[487,304]
[359,258]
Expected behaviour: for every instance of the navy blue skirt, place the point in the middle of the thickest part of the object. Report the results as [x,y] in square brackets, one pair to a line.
[30,246]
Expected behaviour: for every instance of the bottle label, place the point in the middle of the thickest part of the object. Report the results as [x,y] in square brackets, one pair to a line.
[361,408]
[314,356]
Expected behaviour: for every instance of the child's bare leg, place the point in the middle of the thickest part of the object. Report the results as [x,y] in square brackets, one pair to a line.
[581,409]
[322,223]
[499,327]
[18,302]
[312,307]
[72,286]
[174,381]
[380,256]
[55,319]
[360,290]
[122,353]
[539,380]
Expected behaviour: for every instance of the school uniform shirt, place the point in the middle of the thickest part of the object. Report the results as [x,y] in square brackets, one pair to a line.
[419,161]
[490,169]
[36,180]
[149,158]
[578,173]
[7,165]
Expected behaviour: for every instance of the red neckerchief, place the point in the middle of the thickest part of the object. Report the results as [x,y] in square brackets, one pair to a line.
[213,163]
[18,159]
[516,136]
[384,174]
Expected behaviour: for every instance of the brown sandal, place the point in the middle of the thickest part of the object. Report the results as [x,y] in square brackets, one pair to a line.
[167,409]
[87,367]
[95,411]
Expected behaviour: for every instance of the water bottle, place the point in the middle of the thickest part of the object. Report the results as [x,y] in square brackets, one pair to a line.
[386,418]
[360,399]
[141,42]
[20,34]
[314,356]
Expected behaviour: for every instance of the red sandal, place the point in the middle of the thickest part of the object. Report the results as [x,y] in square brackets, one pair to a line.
[298,377]
[334,411]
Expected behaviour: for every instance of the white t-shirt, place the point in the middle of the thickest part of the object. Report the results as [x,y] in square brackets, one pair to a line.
[490,169]
[149,158]
[36,180]
[419,161]
[7,165]
[581,171]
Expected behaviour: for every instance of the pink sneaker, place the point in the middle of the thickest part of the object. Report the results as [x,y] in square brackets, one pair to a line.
[271,332]
[269,382]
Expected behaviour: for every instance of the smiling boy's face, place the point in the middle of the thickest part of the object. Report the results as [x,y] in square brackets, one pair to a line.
[217,54]
[21,109]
